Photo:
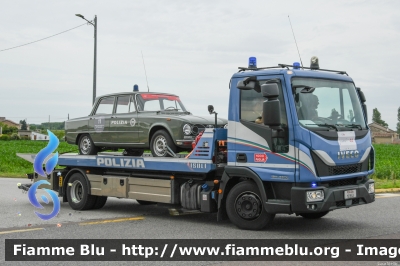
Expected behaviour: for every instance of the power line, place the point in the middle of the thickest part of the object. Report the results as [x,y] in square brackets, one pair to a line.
[42,39]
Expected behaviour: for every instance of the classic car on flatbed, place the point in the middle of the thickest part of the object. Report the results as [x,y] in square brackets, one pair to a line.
[136,121]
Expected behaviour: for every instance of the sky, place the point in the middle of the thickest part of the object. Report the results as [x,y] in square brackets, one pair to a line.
[190,48]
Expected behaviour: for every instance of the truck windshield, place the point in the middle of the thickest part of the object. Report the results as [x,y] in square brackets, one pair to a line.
[325,104]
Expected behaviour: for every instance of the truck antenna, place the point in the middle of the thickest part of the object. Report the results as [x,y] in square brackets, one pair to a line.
[295,41]
[145,73]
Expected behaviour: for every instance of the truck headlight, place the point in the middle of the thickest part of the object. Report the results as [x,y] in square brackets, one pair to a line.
[315,195]
[371,188]
[187,129]
[226,126]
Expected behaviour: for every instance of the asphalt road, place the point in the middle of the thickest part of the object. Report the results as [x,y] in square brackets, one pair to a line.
[126,219]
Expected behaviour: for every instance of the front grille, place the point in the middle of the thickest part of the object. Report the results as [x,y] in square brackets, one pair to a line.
[344,169]
[341,182]
[342,203]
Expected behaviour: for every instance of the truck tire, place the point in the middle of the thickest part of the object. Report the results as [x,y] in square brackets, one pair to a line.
[316,215]
[100,202]
[159,142]
[245,209]
[78,193]
[86,145]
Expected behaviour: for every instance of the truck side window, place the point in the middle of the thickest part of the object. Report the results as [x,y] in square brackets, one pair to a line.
[251,106]
[251,110]
[106,106]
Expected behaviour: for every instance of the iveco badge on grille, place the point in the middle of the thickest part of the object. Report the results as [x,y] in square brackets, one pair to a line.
[348,154]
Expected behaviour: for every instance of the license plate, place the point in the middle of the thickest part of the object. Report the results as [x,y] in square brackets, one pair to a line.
[350,194]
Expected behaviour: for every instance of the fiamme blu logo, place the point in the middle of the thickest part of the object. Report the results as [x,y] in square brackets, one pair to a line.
[50,164]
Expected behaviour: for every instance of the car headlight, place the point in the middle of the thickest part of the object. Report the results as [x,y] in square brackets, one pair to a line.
[187,129]
[315,195]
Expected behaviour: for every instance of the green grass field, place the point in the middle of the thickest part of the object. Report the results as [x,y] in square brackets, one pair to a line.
[387,165]
[13,166]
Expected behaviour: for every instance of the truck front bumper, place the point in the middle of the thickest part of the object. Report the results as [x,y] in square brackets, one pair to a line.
[334,198]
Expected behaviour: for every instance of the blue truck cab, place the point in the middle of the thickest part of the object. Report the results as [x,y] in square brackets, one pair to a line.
[301,135]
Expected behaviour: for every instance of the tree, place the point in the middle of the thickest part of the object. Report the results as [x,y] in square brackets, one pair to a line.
[23,125]
[398,119]
[8,130]
[376,117]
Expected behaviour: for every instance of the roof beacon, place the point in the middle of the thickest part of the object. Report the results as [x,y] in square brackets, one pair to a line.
[135,87]
[314,63]
[296,65]
[252,62]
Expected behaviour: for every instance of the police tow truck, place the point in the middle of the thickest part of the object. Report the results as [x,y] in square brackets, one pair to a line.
[297,142]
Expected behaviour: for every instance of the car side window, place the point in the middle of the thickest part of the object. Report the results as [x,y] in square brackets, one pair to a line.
[123,104]
[105,106]
[152,105]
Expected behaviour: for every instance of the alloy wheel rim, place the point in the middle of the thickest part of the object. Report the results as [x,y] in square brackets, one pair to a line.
[85,145]
[160,146]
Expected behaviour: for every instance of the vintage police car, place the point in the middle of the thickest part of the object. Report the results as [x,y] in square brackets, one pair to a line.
[135,121]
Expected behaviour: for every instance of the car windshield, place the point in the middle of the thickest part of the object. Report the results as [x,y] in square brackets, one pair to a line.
[327,104]
[159,102]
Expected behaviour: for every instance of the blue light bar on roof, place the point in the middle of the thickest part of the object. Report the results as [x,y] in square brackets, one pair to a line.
[296,65]
[252,62]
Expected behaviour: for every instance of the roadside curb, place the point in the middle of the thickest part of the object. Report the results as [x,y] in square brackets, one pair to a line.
[386,190]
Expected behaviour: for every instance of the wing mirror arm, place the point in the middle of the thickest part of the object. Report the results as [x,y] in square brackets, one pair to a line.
[211,111]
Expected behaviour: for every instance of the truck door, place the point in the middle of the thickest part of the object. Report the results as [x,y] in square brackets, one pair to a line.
[273,159]
[124,121]
[99,121]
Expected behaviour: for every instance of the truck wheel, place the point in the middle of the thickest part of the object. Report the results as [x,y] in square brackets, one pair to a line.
[316,215]
[245,209]
[100,202]
[86,145]
[159,142]
[78,193]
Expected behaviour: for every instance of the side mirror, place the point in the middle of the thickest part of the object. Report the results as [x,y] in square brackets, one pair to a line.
[210,109]
[270,90]
[362,96]
[249,83]
[363,100]
[271,108]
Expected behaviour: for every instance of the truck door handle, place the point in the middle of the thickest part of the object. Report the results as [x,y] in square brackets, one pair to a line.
[241,158]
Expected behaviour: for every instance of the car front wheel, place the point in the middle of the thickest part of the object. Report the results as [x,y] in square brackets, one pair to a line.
[159,142]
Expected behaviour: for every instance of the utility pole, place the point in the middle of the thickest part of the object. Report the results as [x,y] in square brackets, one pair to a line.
[94,24]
